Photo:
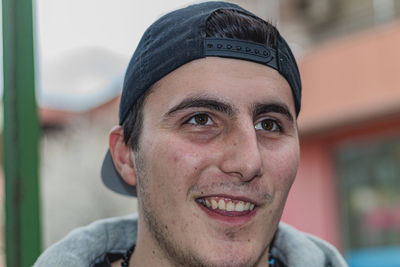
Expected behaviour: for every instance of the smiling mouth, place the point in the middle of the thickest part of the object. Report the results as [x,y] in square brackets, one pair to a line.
[226,206]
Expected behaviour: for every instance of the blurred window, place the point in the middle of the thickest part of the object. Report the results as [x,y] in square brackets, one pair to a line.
[330,18]
[369,177]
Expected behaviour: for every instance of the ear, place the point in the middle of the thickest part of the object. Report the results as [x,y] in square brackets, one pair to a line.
[122,155]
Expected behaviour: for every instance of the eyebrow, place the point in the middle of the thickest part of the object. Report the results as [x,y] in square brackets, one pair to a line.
[281,108]
[204,102]
[221,106]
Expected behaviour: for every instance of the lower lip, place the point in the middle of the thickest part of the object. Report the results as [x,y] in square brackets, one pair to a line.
[235,220]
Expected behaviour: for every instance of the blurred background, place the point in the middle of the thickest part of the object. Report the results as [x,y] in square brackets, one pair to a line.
[348,186]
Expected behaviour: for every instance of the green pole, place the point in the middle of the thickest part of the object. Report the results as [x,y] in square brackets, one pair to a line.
[21,134]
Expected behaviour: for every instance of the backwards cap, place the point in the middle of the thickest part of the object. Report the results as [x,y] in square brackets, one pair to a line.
[178,38]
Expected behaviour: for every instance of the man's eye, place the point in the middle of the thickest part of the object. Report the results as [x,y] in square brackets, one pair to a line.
[268,125]
[200,119]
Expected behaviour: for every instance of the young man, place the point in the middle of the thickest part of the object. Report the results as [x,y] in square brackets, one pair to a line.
[208,143]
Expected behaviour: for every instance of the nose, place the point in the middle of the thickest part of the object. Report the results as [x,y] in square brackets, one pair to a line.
[242,156]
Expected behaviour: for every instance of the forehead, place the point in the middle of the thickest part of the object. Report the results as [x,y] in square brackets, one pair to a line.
[232,80]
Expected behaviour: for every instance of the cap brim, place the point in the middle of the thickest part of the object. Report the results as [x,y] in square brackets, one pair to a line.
[113,180]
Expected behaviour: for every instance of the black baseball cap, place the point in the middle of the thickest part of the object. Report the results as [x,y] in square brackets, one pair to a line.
[178,38]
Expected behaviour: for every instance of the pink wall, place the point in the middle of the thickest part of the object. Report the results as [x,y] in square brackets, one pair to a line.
[312,205]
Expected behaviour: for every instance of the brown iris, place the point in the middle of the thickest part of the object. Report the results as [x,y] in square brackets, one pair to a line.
[201,119]
[268,125]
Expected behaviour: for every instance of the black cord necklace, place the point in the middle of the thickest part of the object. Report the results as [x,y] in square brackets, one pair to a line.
[127,256]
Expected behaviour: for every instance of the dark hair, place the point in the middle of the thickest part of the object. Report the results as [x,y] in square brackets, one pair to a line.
[133,123]
[230,23]
[223,23]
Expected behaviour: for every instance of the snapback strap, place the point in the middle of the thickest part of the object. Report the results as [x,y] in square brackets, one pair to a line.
[247,50]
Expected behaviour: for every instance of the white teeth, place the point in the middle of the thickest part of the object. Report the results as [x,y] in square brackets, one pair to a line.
[214,204]
[221,204]
[239,206]
[228,205]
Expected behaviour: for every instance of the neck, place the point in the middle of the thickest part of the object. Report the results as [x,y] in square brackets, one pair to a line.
[147,251]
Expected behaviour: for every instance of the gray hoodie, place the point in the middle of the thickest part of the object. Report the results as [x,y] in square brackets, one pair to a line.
[88,245]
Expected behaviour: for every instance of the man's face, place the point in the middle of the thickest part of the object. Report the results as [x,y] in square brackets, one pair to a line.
[217,156]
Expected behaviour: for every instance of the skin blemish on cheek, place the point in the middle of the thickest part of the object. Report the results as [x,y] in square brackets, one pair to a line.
[270,211]
[267,196]
[184,227]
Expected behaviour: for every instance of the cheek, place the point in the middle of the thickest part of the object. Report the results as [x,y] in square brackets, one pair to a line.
[282,165]
[281,172]
[176,163]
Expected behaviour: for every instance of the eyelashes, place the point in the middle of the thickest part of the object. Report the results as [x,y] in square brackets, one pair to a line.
[201,119]
[269,125]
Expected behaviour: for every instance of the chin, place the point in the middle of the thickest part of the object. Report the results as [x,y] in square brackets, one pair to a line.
[230,260]
[233,254]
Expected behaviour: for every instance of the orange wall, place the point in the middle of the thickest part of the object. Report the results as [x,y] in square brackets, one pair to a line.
[351,79]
